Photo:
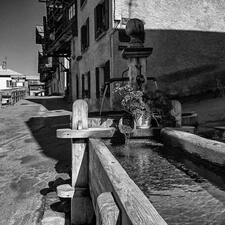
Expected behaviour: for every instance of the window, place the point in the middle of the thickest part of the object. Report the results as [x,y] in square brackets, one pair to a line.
[85,36]
[86,85]
[101,18]
[82,2]
[97,80]
[8,83]
[107,76]
[77,86]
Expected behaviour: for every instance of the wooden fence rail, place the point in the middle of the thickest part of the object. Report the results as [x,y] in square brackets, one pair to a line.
[101,190]
[13,96]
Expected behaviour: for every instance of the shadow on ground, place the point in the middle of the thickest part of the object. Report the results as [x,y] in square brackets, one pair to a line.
[52,103]
[43,130]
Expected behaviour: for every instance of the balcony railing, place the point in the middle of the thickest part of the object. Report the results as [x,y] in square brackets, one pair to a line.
[61,25]
[46,64]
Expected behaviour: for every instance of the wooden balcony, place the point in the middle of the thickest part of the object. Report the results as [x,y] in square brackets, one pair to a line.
[46,66]
[60,27]
[39,34]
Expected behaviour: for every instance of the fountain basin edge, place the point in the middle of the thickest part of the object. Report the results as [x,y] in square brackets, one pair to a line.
[206,149]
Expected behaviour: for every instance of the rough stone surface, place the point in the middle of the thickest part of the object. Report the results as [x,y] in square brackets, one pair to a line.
[210,150]
[31,159]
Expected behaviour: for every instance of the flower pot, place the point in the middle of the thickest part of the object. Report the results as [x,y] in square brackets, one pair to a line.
[143,122]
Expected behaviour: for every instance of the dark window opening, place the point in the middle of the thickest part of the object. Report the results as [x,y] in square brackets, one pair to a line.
[101,18]
[8,83]
[85,36]
[77,86]
[97,80]
[107,76]
[86,85]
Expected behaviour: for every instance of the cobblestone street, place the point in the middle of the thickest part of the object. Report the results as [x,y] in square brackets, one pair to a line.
[32,162]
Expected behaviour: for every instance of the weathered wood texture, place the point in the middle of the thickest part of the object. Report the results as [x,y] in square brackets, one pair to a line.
[210,150]
[81,206]
[107,175]
[80,115]
[107,212]
[100,132]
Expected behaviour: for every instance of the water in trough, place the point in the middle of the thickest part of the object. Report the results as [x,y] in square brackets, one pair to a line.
[183,191]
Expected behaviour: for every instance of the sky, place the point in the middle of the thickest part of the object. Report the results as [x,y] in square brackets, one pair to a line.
[18,19]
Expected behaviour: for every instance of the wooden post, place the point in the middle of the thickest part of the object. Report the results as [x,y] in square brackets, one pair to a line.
[82,211]
[107,212]
[81,205]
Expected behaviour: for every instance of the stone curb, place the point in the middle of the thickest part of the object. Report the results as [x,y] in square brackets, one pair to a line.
[210,150]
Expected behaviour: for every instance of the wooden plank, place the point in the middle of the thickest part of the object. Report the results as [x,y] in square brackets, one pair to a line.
[65,191]
[80,115]
[81,206]
[107,175]
[99,132]
[107,210]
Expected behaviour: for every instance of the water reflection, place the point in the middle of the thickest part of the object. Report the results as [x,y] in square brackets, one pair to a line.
[179,194]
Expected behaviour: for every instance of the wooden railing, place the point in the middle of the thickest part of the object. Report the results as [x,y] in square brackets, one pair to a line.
[13,95]
[101,190]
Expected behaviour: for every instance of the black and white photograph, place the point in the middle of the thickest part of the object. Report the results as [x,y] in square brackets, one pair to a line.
[112,112]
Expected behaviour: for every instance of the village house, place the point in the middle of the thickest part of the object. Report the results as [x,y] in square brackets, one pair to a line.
[188,46]
[10,79]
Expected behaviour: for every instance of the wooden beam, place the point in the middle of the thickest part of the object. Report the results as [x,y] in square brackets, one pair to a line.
[101,132]
[107,212]
[107,175]
[65,191]
[81,206]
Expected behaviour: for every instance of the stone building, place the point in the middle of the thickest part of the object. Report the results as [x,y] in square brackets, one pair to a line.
[186,36]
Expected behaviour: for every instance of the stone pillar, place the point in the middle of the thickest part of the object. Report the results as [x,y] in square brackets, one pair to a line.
[136,54]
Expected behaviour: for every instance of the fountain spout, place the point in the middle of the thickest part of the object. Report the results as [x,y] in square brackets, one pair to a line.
[154,81]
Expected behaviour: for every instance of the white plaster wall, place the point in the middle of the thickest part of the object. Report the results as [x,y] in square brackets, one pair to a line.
[3,82]
[97,54]
[201,15]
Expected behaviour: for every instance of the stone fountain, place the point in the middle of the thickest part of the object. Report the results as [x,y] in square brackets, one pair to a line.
[136,54]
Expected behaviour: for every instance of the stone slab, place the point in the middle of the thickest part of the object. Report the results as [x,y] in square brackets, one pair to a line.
[209,150]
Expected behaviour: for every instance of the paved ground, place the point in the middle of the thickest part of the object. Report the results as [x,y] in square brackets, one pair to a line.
[32,161]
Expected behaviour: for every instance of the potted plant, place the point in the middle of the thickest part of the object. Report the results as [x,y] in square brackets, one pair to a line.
[132,102]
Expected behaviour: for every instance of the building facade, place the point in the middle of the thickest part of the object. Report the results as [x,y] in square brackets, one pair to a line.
[186,36]
[59,25]
[10,79]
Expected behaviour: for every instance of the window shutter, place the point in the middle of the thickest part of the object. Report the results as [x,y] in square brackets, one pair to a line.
[77,86]
[96,21]
[87,32]
[107,76]
[106,14]
[89,84]
[83,86]
[97,82]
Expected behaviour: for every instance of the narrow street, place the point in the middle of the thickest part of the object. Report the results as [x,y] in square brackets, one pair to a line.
[32,161]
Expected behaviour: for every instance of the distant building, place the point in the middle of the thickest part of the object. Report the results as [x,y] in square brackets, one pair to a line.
[35,87]
[10,79]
